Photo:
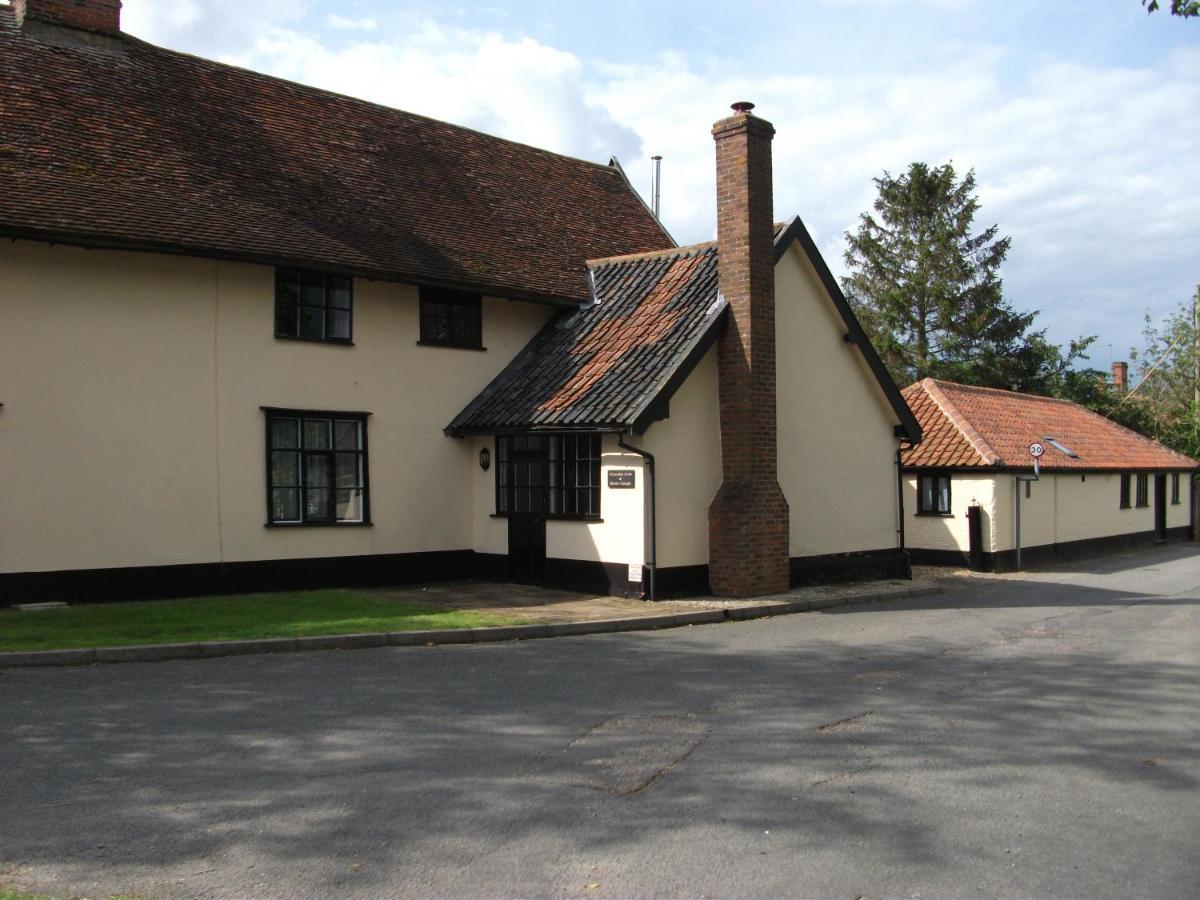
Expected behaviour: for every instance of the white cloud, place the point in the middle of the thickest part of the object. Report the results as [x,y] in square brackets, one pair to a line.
[342,23]
[519,89]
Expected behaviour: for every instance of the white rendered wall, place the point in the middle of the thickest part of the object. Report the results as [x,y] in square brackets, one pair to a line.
[835,427]
[950,532]
[1060,508]
[687,452]
[132,434]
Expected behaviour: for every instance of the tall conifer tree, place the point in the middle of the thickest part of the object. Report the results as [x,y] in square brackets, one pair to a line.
[929,292]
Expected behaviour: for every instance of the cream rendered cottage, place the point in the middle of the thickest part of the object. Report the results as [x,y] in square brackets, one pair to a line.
[972,497]
[255,335]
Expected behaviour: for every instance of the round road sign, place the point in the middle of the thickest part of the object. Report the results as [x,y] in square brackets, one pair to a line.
[1036,449]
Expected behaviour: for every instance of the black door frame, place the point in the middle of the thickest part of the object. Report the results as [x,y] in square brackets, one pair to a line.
[527,526]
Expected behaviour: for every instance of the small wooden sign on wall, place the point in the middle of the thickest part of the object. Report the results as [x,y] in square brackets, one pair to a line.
[621,478]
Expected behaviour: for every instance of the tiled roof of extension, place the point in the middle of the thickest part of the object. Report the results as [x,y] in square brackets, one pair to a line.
[974,427]
[126,144]
[614,364]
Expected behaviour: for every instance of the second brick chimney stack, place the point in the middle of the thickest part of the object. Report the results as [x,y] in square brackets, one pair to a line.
[748,518]
[102,16]
[1120,377]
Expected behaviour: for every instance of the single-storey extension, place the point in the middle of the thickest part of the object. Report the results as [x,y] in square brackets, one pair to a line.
[972,495]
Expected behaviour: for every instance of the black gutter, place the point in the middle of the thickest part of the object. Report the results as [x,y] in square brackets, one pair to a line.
[652,552]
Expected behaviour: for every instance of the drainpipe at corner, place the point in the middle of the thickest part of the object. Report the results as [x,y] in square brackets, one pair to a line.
[900,498]
[651,548]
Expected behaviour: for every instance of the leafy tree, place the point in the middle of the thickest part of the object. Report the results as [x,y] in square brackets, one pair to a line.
[1163,401]
[929,293]
[1184,8]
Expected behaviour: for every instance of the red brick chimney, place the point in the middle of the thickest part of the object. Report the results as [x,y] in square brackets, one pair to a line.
[103,16]
[1120,377]
[748,518]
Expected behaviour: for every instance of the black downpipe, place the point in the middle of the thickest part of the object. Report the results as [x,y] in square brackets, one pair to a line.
[900,497]
[652,552]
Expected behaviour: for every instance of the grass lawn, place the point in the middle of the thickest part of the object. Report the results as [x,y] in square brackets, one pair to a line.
[292,614]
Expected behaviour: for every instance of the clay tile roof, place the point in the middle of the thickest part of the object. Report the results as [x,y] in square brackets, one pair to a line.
[974,427]
[127,144]
[613,364]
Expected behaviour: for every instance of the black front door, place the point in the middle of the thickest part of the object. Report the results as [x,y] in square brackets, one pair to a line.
[528,501]
[1160,507]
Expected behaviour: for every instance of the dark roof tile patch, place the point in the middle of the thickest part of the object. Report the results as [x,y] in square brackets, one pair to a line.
[603,366]
[144,147]
[974,427]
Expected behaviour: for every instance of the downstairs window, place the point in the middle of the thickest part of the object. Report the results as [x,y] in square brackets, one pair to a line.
[316,468]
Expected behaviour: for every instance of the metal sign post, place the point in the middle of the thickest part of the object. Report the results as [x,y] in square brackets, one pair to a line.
[1036,450]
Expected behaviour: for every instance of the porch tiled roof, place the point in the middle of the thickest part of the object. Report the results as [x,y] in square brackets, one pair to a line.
[974,427]
[126,144]
[609,365]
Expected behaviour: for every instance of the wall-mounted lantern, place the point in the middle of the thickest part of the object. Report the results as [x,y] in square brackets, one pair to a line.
[485,459]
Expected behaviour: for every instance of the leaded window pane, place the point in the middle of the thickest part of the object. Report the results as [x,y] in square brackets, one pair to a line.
[339,293]
[316,504]
[287,320]
[346,435]
[285,434]
[316,434]
[285,469]
[349,505]
[339,324]
[285,505]
[348,472]
[312,322]
[317,471]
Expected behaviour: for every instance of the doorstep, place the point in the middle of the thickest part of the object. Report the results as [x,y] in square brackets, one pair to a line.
[642,616]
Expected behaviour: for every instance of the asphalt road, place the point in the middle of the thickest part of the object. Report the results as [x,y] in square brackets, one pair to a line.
[1013,738]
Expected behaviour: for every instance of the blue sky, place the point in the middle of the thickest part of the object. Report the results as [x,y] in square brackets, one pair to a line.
[1081,118]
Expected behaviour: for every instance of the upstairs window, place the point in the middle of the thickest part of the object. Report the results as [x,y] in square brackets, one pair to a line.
[1143,489]
[451,319]
[1125,490]
[1175,489]
[312,306]
[316,468]
[933,495]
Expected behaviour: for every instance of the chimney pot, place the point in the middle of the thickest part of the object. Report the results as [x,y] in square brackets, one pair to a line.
[742,106]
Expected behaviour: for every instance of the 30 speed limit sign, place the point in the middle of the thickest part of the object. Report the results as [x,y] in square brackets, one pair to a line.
[1036,449]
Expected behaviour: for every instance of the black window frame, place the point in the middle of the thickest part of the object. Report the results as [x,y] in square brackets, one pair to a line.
[291,294]
[1142,494]
[332,454]
[922,510]
[1174,488]
[460,314]
[1126,492]
[574,462]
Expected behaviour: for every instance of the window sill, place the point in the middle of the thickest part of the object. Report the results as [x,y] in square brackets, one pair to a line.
[443,344]
[553,518]
[337,342]
[934,515]
[318,524]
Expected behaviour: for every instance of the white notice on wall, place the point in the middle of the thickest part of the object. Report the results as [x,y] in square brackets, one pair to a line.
[635,572]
